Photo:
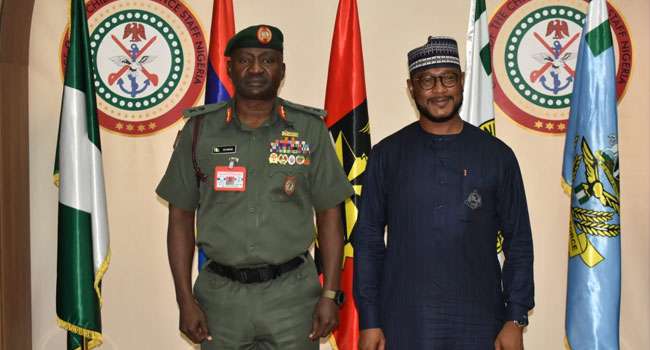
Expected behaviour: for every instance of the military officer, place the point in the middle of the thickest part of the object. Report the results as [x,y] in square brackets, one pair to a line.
[258,167]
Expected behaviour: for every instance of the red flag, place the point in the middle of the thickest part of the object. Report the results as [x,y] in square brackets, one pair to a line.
[347,121]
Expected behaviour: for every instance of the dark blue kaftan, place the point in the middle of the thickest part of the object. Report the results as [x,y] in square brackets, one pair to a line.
[437,284]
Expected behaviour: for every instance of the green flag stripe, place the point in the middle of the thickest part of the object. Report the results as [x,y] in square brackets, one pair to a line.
[79,69]
[480,8]
[485,60]
[599,39]
[74,71]
[76,299]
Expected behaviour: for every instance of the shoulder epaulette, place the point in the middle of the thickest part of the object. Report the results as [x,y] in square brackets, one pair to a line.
[310,110]
[201,110]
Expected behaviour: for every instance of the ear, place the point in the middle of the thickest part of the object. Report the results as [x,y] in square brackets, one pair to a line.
[284,68]
[462,79]
[229,68]
[409,83]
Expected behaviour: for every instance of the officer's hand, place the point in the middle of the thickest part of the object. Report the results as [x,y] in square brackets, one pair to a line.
[193,322]
[372,339]
[325,318]
[511,337]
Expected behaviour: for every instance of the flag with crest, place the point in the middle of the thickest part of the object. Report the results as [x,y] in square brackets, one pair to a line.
[590,175]
[347,120]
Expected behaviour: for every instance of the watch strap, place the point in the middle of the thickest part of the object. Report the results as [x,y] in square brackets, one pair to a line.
[329,294]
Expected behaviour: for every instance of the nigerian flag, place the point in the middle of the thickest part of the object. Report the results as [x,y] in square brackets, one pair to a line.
[478,97]
[590,175]
[83,245]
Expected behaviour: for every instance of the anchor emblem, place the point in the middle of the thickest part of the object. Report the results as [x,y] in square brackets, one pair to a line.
[133,62]
[556,59]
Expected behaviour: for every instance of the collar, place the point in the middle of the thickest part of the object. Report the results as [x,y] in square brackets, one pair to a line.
[279,113]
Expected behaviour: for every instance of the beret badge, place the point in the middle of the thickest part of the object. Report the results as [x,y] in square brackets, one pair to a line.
[264,35]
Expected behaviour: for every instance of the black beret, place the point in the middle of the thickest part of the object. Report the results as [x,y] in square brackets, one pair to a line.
[261,36]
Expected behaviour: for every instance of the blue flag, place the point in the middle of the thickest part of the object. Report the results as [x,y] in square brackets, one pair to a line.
[590,176]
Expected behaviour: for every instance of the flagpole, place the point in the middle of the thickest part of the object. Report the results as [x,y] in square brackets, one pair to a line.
[84,346]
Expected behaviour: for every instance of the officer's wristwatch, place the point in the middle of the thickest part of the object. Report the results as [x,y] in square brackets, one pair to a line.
[337,295]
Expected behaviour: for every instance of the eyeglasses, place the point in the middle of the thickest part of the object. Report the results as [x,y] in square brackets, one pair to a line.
[428,82]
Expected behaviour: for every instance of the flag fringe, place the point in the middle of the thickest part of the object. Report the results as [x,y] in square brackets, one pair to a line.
[95,339]
[566,343]
[566,187]
[57,179]
[100,275]
[332,341]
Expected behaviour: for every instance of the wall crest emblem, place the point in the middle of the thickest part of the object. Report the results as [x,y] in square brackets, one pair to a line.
[149,63]
[534,54]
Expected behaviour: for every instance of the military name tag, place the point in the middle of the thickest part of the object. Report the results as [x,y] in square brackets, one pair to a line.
[224,149]
[230,179]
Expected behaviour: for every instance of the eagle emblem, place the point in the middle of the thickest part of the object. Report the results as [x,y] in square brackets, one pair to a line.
[135,30]
[594,187]
[559,29]
[589,221]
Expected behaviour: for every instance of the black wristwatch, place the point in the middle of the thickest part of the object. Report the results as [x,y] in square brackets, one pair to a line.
[337,295]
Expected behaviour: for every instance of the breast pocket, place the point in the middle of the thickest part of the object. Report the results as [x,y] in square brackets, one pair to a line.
[288,182]
[207,165]
[471,201]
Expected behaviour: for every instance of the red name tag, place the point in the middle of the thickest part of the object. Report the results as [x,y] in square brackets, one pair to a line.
[230,179]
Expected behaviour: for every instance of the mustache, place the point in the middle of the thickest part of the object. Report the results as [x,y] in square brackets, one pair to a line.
[256,79]
[424,112]
[434,98]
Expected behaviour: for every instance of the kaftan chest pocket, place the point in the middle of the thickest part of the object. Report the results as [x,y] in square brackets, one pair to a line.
[288,182]
[471,202]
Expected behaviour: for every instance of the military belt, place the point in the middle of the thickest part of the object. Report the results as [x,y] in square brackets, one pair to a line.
[258,274]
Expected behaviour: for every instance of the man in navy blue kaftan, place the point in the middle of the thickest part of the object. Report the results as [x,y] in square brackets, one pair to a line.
[443,188]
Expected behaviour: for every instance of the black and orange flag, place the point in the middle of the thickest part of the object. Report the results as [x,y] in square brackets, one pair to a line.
[347,121]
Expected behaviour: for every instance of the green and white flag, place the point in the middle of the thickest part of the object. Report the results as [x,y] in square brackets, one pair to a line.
[83,243]
[478,96]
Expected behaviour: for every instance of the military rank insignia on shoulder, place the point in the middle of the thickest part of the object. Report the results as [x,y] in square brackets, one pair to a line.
[316,112]
[202,110]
